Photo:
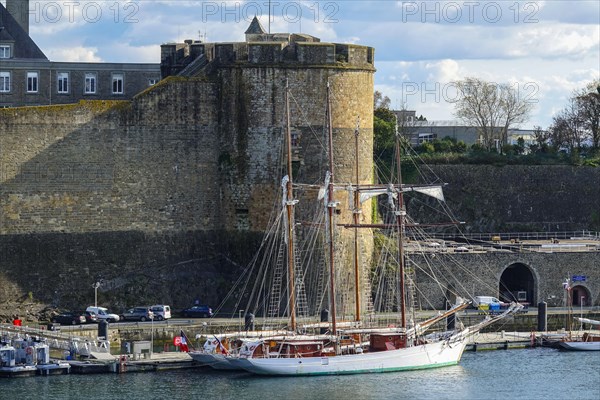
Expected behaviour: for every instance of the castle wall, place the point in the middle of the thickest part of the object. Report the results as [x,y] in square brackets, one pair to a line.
[129,190]
[521,198]
[112,166]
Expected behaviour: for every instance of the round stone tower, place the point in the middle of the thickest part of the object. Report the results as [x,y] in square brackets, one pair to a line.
[253,77]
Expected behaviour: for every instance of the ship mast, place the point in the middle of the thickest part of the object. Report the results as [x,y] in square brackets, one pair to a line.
[355,216]
[400,221]
[289,205]
[331,205]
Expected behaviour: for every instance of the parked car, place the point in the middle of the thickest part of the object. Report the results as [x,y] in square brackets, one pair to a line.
[69,318]
[103,314]
[90,317]
[200,311]
[161,311]
[137,314]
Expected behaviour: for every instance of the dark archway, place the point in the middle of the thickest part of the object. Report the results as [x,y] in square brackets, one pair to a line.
[517,283]
[581,296]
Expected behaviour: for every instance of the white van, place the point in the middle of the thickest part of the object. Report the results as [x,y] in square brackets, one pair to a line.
[161,311]
[485,300]
[103,313]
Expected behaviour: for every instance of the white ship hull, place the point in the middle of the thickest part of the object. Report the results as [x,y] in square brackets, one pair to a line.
[580,346]
[431,355]
[216,361]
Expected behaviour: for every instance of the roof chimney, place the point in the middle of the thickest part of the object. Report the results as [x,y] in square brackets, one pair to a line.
[19,9]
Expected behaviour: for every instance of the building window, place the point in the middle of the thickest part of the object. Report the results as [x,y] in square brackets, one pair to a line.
[90,83]
[117,83]
[4,82]
[63,82]
[152,82]
[4,51]
[32,82]
[427,137]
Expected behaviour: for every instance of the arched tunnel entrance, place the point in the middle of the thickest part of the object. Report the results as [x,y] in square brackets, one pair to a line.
[517,283]
[581,296]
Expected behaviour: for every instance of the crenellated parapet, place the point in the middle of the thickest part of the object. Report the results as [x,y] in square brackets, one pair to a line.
[281,50]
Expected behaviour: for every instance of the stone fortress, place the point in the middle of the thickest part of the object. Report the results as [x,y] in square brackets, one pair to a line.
[185,174]
[164,198]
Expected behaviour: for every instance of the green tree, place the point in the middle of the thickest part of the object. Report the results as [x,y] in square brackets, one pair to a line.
[442,146]
[459,147]
[425,147]
[384,131]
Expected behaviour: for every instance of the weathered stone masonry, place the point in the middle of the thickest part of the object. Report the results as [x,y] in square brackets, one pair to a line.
[166,196]
[156,195]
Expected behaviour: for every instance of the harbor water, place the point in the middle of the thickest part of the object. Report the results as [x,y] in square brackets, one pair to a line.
[508,374]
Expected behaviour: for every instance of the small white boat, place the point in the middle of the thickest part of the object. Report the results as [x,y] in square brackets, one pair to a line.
[588,341]
[580,346]
[43,363]
[214,354]
[27,357]
[213,360]
[8,366]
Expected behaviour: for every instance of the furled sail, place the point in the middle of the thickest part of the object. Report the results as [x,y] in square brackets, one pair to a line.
[433,191]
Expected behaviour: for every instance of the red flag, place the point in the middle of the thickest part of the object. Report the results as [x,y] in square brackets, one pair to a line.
[183,345]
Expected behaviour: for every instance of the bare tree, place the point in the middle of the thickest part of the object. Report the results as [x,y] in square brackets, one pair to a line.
[380,101]
[588,109]
[565,130]
[579,121]
[492,108]
[541,136]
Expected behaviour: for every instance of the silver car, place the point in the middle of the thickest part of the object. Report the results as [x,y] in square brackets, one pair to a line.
[137,314]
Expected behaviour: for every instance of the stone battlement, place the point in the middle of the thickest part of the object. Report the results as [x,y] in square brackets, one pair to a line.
[296,50]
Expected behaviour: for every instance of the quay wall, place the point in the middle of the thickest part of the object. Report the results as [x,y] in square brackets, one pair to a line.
[480,274]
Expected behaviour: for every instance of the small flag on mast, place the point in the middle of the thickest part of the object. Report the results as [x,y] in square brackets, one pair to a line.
[221,347]
[183,346]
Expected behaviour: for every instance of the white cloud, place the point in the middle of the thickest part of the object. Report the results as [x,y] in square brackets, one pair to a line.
[559,53]
[73,54]
[443,71]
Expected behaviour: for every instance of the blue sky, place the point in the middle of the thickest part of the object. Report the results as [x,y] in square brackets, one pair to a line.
[545,49]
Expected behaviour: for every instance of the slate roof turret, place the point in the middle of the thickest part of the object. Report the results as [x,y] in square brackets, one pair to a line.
[255,27]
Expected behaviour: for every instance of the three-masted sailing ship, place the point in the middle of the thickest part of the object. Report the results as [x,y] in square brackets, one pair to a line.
[358,349]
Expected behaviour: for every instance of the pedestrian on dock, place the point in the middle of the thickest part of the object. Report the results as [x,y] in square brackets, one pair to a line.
[17,321]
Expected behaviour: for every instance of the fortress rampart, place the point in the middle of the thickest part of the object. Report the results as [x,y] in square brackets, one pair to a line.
[165,196]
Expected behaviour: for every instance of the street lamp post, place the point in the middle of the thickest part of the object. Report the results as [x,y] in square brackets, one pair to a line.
[96,285]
